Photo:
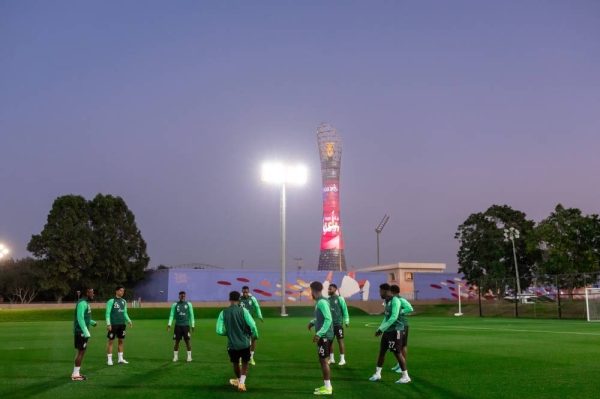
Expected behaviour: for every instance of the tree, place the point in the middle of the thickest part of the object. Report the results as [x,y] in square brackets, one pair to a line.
[64,247]
[570,243]
[89,242]
[485,257]
[120,255]
[18,280]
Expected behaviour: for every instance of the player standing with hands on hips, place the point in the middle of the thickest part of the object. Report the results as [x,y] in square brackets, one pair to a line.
[183,313]
[116,317]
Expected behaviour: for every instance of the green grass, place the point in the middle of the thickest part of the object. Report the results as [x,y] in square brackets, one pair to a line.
[11,315]
[449,357]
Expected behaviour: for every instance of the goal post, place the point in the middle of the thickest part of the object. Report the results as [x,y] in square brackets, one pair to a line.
[592,304]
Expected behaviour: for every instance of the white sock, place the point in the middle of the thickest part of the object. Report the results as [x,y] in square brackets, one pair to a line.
[120,355]
[405,374]
[189,353]
[327,384]
[378,371]
[332,356]
[109,356]
[76,371]
[342,357]
[252,355]
[176,354]
[242,379]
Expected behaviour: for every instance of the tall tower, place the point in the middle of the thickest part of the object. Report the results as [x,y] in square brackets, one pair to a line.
[332,247]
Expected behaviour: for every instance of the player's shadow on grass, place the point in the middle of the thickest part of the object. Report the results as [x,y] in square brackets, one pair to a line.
[45,385]
[440,392]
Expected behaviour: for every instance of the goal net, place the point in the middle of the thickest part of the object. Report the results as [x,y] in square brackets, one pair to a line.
[592,303]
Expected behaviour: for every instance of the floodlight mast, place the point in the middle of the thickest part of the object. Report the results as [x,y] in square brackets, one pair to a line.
[378,230]
[281,174]
[511,234]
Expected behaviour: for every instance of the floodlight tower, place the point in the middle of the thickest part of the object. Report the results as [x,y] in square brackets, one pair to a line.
[378,230]
[511,234]
[332,247]
[283,174]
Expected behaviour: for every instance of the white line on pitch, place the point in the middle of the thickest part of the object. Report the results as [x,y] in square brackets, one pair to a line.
[498,329]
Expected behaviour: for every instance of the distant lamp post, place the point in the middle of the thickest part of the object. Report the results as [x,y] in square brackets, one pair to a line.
[3,251]
[298,263]
[78,294]
[511,234]
[278,173]
[378,230]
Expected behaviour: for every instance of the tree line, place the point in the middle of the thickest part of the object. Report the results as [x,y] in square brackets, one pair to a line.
[562,249]
[84,242]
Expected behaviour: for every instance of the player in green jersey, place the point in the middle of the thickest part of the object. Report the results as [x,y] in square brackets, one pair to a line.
[83,320]
[237,324]
[391,331]
[339,313]
[250,303]
[405,308]
[183,312]
[323,334]
[116,317]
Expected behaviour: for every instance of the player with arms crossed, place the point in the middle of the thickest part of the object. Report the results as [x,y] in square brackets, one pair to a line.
[391,331]
[250,303]
[323,334]
[116,317]
[237,324]
[405,308]
[183,312]
[339,313]
[83,319]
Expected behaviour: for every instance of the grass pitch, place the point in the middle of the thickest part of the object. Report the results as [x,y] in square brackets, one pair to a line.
[448,357]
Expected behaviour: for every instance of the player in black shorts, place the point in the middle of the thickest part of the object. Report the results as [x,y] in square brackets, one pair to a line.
[116,317]
[83,320]
[391,331]
[183,313]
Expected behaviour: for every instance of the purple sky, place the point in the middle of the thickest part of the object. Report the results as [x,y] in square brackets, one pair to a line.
[444,108]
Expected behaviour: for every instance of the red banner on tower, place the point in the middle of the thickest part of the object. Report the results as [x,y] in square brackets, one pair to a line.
[331,237]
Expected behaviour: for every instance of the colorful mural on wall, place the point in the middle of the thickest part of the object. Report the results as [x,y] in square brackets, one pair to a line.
[214,285]
[443,286]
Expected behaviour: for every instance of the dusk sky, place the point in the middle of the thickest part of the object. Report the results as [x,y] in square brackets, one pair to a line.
[444,108]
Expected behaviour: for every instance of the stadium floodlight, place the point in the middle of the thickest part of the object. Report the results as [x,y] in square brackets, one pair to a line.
[378,230]
[3,251]
[279,173]
[511,234]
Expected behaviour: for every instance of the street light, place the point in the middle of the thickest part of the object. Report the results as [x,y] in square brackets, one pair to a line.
[298,263]
[378,230]
[3,251]
[511,234]
[281,174]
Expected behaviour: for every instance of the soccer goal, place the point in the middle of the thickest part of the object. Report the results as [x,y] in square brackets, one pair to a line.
[592,303]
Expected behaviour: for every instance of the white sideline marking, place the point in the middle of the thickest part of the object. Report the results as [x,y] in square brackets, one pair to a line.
[499,329]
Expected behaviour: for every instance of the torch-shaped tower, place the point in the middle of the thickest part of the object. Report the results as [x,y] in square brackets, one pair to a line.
[332,247]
